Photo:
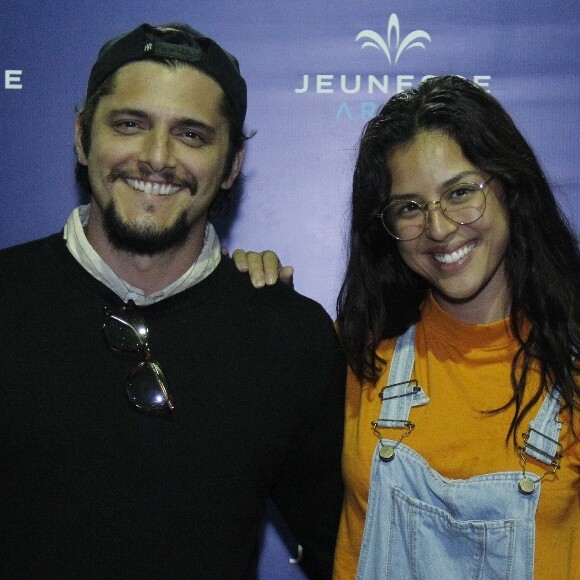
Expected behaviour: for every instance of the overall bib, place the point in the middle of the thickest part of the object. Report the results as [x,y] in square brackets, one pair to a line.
[423,526]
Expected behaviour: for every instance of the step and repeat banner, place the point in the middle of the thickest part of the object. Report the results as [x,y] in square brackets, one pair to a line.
[316,72]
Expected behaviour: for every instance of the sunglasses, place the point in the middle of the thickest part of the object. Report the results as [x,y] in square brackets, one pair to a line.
[146,387]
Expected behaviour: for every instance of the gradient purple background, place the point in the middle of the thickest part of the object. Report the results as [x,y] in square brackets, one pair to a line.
[299,164]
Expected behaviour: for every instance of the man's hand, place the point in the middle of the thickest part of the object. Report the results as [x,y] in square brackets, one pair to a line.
[264,267]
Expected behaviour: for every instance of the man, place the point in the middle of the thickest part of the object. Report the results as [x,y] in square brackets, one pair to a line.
[153,399]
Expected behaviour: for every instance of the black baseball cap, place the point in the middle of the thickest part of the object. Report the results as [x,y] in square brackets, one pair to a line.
[172,41]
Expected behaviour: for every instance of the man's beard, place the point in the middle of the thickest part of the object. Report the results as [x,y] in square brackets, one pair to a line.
[144,240]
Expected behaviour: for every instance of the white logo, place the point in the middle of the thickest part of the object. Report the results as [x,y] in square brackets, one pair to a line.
[13,79]
[364,91]
[394,46]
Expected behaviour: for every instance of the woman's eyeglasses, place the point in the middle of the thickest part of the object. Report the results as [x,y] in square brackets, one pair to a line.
[146,387]
[406,219]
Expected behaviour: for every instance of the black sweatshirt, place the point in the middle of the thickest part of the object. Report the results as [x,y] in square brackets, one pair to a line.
[93,489]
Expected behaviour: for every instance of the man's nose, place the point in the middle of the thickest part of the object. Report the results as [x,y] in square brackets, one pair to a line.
[158,150]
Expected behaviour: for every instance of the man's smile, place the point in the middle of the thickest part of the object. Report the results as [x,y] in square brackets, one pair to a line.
[153,187]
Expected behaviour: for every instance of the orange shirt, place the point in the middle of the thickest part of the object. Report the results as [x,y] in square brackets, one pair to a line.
[464,369]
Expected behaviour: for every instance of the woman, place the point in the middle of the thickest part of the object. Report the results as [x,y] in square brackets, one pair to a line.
[460,317]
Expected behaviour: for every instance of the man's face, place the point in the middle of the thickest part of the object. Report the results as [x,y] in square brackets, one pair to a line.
[157,157]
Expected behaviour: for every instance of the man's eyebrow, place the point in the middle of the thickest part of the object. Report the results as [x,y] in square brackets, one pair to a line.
[113,113]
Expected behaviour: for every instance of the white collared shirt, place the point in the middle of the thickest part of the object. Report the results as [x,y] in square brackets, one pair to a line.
[85,255]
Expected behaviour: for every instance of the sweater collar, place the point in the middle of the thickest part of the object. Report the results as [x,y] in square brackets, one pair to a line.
[85,255]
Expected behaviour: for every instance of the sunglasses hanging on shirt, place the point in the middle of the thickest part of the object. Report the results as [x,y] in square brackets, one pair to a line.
[146,387]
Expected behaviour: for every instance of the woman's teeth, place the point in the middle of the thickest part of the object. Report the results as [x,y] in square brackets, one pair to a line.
[454,256]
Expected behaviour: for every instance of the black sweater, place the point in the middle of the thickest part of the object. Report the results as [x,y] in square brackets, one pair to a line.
[93,489]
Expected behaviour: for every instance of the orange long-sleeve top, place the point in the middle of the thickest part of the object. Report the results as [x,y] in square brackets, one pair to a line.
[465,370]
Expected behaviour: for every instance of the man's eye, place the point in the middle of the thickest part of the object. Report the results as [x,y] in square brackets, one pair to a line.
[124,126]
[193,138]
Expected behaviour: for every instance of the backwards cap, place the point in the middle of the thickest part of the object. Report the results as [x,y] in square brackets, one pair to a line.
[172,41]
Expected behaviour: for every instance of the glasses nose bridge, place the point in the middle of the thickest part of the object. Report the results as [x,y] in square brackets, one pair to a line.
[426,209]
[146,352]
[438,204]
[437,201]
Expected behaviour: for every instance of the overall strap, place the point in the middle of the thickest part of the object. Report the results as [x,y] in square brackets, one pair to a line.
[401,393]
[541,440]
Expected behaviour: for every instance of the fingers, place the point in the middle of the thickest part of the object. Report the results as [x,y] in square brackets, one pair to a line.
[271,265]
[264,267]
[256,269]
[240,260]
[252,262]
[286,274]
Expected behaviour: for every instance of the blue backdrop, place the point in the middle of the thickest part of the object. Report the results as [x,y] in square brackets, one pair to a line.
[316,72]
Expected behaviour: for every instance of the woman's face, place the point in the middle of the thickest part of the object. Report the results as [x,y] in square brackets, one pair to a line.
[464,264]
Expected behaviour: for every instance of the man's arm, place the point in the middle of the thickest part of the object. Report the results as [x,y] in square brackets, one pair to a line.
[309,492]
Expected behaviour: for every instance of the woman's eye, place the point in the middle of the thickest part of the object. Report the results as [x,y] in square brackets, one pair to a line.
[463,191]
[406,208]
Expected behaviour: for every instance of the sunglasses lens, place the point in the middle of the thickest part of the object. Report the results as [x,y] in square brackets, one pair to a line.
[127,332]
[146,388]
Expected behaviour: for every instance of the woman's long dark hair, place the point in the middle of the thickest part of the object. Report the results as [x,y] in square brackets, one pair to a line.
[381,297]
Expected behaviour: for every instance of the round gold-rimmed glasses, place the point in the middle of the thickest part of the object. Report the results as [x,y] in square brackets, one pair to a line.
[406,219]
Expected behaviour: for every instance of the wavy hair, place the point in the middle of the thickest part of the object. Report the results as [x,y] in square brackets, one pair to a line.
[381,297]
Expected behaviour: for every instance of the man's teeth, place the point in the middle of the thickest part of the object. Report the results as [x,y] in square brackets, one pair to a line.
[153,188]
[454,256]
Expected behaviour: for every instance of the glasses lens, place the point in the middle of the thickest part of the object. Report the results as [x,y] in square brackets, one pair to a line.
[404,219]
[125,330]
[146,388]
[464,203]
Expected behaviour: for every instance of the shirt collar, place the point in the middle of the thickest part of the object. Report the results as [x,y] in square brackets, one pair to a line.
[85,255]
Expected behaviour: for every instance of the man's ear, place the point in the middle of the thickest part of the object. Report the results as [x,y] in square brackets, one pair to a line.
[80,150]
[236,168]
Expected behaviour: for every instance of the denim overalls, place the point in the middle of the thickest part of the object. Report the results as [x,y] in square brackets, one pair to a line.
[422,526]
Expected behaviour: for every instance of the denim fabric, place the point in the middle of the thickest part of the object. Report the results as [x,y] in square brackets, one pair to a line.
[423,526]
